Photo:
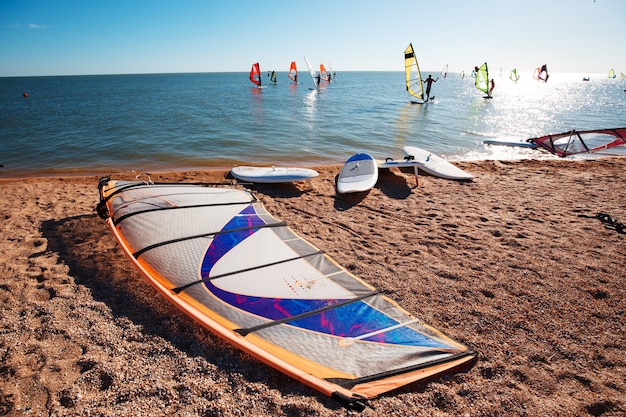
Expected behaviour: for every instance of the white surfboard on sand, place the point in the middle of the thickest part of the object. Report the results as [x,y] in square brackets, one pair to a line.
[359,173]
[435,165]
[269,175]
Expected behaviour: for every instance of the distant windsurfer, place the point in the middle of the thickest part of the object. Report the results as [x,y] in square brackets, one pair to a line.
[492,85]
[544,70]
[429,82]
[273,77]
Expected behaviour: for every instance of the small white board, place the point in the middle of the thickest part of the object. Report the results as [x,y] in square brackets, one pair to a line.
[272,175]
[436,165]
[359,173]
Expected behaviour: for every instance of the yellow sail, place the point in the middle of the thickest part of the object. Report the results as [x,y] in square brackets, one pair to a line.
[612,73]
[414,84]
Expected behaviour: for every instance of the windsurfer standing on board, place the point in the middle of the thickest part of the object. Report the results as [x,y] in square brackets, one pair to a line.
[492,85]
[429,82]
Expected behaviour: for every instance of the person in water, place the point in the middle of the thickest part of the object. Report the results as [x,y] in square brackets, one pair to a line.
[429,82]
[492,85]
[273,76]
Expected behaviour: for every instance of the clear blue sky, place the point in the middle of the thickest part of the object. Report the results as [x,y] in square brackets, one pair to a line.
[67,37]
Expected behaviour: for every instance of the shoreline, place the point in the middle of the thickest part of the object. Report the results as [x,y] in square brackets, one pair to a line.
[88,172]
[514,264]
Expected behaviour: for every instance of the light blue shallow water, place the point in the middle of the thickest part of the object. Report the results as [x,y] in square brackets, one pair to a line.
[79,124]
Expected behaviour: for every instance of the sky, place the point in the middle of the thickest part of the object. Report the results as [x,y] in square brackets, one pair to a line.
[82,37]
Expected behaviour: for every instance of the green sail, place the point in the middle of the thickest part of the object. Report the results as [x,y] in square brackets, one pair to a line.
[482,78]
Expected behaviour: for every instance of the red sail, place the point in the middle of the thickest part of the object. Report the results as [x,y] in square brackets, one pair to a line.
[255,74]
[584,141]
[323,72]
[293,72]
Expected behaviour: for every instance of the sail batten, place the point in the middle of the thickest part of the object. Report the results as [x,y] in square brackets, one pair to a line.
[413,76]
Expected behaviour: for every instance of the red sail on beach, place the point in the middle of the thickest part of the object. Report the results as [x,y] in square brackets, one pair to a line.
[584,141]
[255,74]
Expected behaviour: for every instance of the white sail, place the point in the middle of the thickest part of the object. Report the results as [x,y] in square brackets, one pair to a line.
[313,74]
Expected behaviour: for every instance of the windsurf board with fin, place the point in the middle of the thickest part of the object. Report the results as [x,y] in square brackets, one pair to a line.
[436,165]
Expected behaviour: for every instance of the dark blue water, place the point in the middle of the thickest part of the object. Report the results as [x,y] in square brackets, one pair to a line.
[85,124]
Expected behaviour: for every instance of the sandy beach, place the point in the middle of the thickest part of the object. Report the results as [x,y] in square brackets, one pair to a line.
[515,264]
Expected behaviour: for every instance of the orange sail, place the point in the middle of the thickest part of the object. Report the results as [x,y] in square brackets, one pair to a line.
[255,74]
[293,72]
[323,73]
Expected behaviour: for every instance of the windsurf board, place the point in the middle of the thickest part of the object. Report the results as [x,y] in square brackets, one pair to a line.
[272,175]
[430,100]
[358,174]
[435,165]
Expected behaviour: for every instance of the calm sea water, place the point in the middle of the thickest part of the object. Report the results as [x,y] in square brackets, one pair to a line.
[88,124]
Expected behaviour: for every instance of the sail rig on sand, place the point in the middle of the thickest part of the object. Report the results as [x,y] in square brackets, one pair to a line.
[573,142]
[221,258]
[584,141]
[413,76]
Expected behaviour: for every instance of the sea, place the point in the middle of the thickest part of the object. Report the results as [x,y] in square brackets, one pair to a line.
[62,125]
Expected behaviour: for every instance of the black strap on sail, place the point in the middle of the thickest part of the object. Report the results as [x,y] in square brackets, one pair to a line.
[102,210]
[178,290]
[234,203]
[245,332]
[203,235]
